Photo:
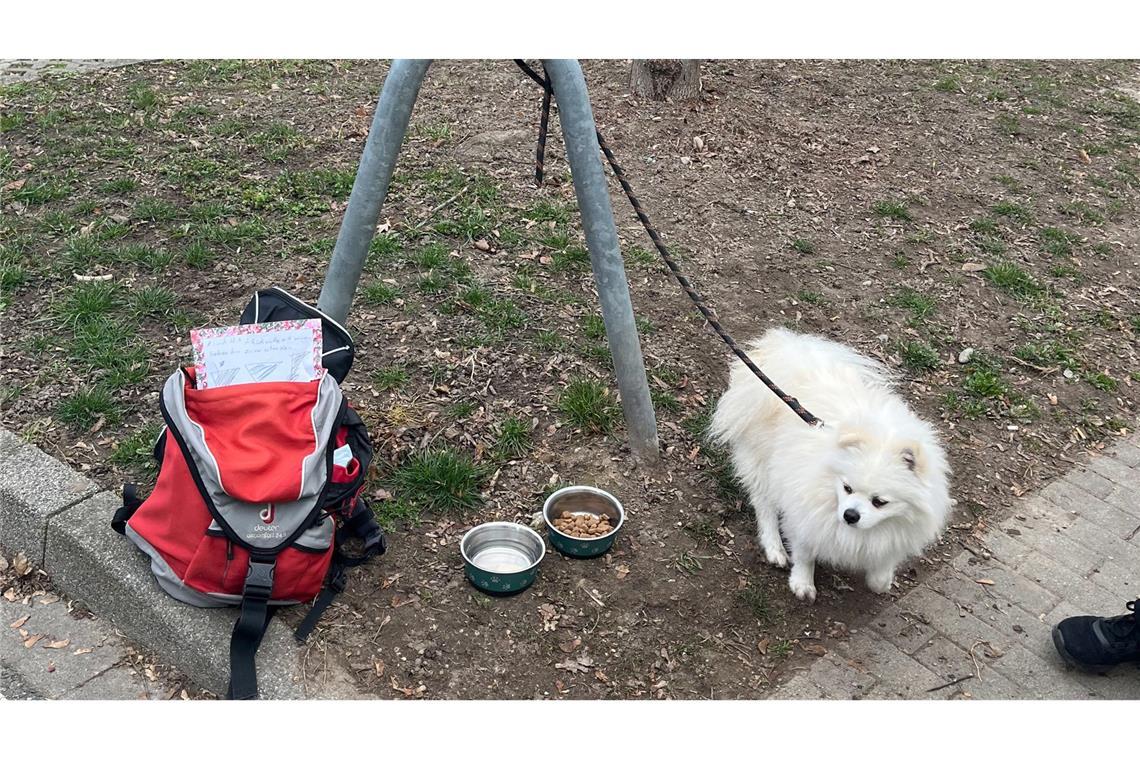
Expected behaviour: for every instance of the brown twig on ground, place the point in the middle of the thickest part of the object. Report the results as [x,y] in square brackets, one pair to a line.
[951,683]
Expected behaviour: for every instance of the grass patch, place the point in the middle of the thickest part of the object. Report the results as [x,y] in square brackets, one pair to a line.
[755,600]
[154,210]
[233,236]
[572,257]
[546,211]
[432,283]
[440,479]
[803,246]
[1011,210]
[87,301]
[896,210]
[1008,124]
[588,405]
[142,98]
[148,257]
[379,293]
[984,382]
[810,297]
[948,84]
[38,193]
[1047,354]
[136,452]
[918,356]
[1082,211]
[120,186]
[151,301]
[985,226]
[514,438]
[1057,242]
[84,408]
[663,401]
[198,255]
[971,408]
[106,345]
[918,304]
[1104,382]
[390,379]
[1013,279]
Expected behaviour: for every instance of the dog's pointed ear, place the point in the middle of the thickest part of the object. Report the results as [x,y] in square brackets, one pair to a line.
[850,439]
[913,457]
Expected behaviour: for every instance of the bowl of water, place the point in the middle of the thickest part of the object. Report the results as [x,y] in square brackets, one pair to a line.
[502,557]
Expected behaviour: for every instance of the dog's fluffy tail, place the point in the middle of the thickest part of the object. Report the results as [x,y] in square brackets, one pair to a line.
[793,361]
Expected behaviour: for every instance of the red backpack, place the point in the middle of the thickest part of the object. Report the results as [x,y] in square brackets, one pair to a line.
[258,488]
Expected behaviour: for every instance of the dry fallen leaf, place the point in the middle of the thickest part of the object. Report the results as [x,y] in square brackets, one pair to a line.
[621,571]
[21,565]
[816,649]
[31,641]
[762,646]
[984,581]
[20,622]
[570,646]
[378,666]
[3,563]
[49,599]
[973,266]
[83,650]
[62,644]
[571,665]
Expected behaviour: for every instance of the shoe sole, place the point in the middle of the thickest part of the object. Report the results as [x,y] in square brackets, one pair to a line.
[1059,643]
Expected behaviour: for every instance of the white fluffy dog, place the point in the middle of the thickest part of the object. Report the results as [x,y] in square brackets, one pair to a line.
[863,493]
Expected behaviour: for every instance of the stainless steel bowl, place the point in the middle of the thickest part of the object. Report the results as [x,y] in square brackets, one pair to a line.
[582,500]
[502,557]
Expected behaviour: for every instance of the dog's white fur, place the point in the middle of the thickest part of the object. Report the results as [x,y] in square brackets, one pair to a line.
[797,476]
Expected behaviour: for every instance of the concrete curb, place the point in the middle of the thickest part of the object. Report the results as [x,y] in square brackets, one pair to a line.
[62,519]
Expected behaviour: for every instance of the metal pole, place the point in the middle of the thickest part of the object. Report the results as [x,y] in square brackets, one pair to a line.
[389,123]
[580,136]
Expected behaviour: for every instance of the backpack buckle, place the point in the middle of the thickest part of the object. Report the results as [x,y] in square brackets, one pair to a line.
[259,579]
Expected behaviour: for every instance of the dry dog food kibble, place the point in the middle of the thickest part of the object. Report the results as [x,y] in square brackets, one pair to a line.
[584,526]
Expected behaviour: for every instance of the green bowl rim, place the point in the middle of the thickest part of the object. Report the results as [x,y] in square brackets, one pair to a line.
[589,489]
[527,528]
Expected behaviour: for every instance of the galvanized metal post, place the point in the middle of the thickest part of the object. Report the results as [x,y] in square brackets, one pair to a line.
[381,149]
[389,124]
[580,136]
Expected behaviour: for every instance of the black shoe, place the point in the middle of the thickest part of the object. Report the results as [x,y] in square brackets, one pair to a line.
[1098,643]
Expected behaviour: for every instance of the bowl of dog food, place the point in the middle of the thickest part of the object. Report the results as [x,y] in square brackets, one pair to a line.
[502,557]
[582,521]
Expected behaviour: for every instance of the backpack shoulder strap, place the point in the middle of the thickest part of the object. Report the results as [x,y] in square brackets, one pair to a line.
[361,525]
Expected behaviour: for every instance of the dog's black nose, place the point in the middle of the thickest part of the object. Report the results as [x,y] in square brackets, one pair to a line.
[851,516]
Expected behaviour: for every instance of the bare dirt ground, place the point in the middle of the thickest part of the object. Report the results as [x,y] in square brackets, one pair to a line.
[912,209]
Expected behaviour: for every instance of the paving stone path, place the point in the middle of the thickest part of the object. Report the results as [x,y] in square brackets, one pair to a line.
[1073,548]
[15,70]
[53,654]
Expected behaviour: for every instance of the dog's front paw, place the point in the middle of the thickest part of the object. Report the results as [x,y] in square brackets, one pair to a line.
[880,582]
[803,588]
[776,555]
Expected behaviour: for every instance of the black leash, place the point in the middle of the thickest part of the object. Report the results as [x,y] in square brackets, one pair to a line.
[697,299]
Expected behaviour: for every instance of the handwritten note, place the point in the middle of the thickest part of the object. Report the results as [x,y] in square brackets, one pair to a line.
[288,351]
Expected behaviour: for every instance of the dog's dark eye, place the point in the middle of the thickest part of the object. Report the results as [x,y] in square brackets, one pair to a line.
[877,502]
[847,488]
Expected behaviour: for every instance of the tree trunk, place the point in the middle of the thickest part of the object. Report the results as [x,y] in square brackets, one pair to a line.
[664,78]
